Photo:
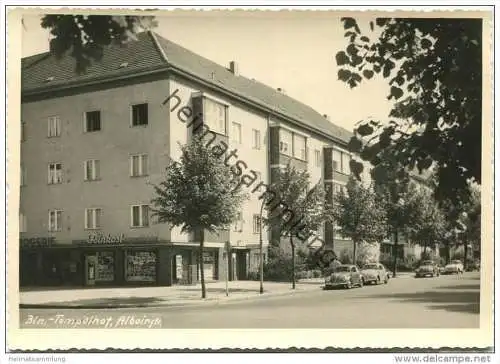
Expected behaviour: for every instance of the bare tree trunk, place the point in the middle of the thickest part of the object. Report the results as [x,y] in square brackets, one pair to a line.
[293,261]
[202,271]
[395,254]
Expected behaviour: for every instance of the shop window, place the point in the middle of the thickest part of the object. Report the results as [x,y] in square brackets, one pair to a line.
[140,266]
[215,115]
[140,216]
[92,121]
[54,126]
[140,114]
[55,220]
[55,173]
[255,139]
[209,265]
[139,165]
[105,270]
[92,170]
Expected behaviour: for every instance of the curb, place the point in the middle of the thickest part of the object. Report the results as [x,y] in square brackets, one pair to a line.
[208,302]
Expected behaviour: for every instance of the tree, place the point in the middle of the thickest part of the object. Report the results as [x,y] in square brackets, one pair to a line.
[427,220]
[394,192]
[86,35]
[359,215]
[294,210]
[433,67]
[463,221]
[198,193]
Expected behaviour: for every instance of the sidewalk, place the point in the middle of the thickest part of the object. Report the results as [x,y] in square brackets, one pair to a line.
[174,296]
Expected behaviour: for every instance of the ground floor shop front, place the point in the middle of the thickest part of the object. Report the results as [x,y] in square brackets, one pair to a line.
[129,265]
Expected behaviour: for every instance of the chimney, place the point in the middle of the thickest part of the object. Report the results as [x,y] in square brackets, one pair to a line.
[233,67]
[282,90]
[327,117]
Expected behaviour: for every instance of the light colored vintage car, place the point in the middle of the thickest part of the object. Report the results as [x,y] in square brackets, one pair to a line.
[374,273]
[427,268]
[454,267]
[345,275]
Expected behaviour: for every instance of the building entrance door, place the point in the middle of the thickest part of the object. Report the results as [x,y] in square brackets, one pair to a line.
[90,269]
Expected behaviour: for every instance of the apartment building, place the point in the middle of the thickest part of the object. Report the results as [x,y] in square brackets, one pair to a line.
[93,144]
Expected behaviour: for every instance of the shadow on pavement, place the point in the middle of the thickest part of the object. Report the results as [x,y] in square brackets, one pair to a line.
[467,301]
[462,286]
[467,308]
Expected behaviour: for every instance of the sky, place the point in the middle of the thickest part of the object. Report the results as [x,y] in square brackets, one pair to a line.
[292,50]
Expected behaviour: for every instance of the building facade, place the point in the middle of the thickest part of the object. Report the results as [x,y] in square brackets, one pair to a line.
[93,144]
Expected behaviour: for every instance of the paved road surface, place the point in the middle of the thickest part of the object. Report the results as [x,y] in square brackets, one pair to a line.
[443,302]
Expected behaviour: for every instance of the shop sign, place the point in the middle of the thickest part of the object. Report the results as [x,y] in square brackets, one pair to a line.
[100,238]
[37,242]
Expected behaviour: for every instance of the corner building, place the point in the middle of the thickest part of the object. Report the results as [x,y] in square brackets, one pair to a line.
[93,144]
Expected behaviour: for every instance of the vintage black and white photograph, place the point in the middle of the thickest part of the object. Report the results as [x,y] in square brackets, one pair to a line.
[252,170]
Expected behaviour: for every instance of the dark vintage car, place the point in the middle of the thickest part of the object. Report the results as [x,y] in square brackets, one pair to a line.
[374,273]
[427,268]
[345,275]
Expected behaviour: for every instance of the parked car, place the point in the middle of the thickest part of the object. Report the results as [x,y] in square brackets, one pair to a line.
[454,267]
[374,273]
[345,275]
[427,268]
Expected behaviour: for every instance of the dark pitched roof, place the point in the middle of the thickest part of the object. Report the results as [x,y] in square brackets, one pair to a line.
[148,53]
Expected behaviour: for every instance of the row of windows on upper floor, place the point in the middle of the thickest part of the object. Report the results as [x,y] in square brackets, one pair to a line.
[140,217]
[215,117]
[139,167]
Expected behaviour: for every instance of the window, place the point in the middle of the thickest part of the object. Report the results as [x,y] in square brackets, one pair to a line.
[23,223]
[215,116]
[255,139]
[54,126]
[345,163]
[92,121]
[92,170]
[23,131]
[139,114]
[236,133]
[238,224]
[138,165]
[55,220]
[286,142]
[337,188]
[317,158]
[140,216]
[23,175]
[336,160]
[299,147]
[256,224]
[55,173]
[93,218]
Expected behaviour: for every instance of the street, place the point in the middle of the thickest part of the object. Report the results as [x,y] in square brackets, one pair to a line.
[441,302]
